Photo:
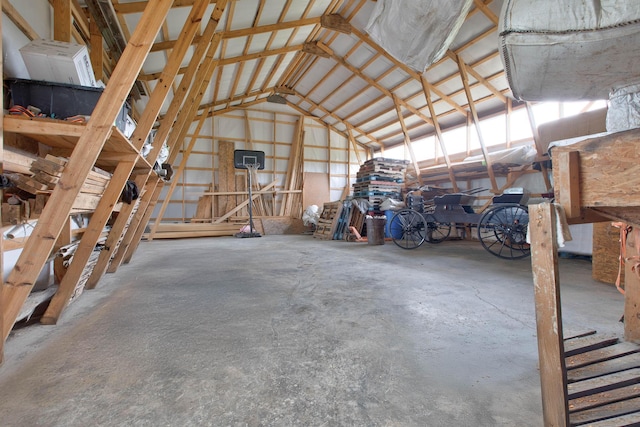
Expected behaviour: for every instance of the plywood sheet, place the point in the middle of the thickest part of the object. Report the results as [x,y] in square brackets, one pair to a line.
[315,189]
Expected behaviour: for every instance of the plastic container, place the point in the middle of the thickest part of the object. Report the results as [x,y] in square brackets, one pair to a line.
[375,230]
[62,100]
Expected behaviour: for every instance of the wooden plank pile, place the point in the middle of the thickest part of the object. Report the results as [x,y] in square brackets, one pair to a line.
[194,229]
[328,221]
[379,179]
[45,175]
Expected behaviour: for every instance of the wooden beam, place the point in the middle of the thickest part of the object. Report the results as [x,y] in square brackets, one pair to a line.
[254,196]
[476,121]
[487,12]
[411,72]
[96,53]
[568,184]
[138,6]
[62,20]
[38,247]
[373,83]
[131,240]
[546,281]
[312,48]
[244,32]
[15,17]
[439,136]
[335,22]
[632,287]
[407,141]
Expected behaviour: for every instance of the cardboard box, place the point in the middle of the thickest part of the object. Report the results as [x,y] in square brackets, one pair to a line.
[59,62]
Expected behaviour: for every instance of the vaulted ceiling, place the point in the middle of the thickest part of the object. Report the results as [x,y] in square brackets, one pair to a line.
[317,55]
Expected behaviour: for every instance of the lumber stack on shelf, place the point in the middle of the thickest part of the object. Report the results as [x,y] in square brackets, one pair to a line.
[379,179]
[47,171]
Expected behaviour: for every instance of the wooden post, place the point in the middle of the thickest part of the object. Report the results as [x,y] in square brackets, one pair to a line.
[152,187]
[97,50]
[568,165]
[632,288]
[62,20]
[544,259]
[38,247]
[133,240]
[226,176]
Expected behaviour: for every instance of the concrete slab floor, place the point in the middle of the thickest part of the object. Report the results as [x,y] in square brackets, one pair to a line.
[293,331]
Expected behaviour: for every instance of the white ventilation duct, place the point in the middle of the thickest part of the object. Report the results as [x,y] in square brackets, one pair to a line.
[417,32]
[570,49]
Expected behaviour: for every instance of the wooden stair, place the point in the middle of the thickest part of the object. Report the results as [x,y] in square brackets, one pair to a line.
[603,380]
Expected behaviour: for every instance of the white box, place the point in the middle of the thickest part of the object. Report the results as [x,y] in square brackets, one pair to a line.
[129,126]
[59,62]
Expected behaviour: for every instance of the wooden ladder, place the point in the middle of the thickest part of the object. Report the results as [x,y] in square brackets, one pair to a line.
[587,379]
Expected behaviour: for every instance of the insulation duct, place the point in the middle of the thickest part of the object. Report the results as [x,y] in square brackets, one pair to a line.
[417,32]
[570,49]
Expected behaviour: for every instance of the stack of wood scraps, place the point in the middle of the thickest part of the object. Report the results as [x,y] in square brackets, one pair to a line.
[187,230]
[46,174]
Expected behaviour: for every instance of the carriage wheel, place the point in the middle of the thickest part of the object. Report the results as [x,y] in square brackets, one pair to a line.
[502,230]
[436,232]
[407,229]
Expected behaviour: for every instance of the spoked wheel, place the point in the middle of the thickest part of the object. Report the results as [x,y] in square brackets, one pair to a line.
[436,232]
[502,230]
[407,229]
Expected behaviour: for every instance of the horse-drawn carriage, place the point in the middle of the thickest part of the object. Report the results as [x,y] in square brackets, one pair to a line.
[501,228]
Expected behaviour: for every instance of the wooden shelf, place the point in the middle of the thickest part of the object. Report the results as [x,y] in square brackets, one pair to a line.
[64,135]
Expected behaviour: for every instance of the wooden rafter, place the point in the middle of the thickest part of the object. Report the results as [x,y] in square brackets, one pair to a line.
[476,121]
[333,115]
[407,140]
[244,32]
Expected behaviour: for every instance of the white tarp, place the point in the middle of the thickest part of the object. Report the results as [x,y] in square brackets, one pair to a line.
[570,49]
[523,155]
[417,32]
[624,109]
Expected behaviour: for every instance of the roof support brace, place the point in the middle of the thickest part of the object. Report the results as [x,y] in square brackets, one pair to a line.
[476,121]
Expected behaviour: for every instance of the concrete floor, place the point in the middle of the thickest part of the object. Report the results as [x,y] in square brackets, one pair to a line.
[293,331]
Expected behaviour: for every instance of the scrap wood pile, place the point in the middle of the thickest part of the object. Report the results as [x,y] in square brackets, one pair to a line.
[45,174]
[380,179]
[187,230]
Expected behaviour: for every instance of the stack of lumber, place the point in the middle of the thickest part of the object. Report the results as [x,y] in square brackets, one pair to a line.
[47,171]
[328,221]
[186,230]
[379,179]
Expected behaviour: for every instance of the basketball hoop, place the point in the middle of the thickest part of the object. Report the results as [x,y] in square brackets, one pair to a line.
[252,161]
